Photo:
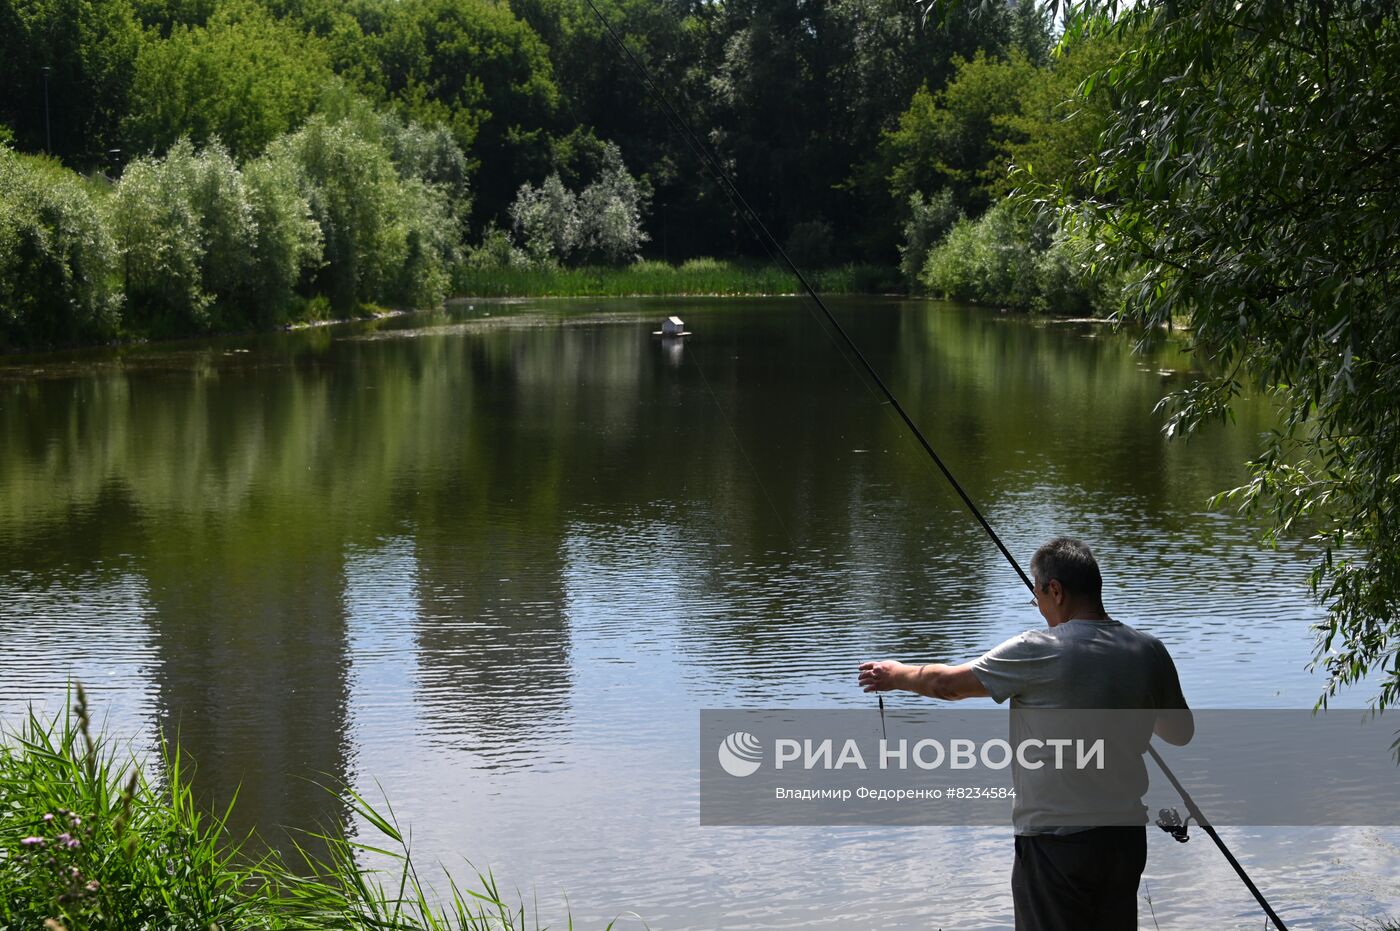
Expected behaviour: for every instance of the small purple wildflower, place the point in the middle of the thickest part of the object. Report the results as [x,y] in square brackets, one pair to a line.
[48,818]
[32,842]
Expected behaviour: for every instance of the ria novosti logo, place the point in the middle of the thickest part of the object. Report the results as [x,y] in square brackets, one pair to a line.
[740,754]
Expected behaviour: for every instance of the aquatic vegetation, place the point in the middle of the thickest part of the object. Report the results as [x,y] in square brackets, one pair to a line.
[91,840]
[696,277]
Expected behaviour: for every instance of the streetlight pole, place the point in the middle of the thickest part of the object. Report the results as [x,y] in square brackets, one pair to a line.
[48,137]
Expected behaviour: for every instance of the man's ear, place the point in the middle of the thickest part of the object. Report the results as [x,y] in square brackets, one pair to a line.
[1057,591]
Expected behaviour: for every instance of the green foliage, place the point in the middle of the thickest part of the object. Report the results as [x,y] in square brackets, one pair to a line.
[91,841]
[89,50]
[703,276]
[244,78]
[159,232]
[187,231]
[472,66]
[1054,133]
[57,259]
[1250,179]
[386,239]
[546,219]
[811,244]
[353,192]
[601,223]
[611,210]
[956,138]
[495,251]
[991,260]
[287,240]
[427,153]
[930,219]
[1007,259]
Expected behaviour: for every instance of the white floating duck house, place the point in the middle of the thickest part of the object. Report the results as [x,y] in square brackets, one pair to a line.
[672,326]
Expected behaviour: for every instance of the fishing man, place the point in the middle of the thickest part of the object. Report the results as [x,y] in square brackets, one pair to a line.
[1067,877]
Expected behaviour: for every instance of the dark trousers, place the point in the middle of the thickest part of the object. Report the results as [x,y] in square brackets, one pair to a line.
[1086,881]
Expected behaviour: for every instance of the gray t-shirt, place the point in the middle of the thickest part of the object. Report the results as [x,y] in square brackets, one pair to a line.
[1082,665]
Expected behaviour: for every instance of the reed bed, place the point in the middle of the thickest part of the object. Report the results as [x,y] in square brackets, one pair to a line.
[697,277]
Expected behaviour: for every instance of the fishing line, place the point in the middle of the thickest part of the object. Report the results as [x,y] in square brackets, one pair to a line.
[739,444]
[775,251]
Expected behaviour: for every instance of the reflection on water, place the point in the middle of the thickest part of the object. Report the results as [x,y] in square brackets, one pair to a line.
[496,559]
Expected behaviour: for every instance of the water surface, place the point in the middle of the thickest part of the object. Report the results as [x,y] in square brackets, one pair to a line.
[495,559]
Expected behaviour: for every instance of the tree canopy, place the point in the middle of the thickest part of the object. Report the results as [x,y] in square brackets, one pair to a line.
[1248,177]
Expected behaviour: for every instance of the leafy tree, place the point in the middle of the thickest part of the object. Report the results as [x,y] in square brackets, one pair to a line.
[1251,179]
[385,238]
[56,257]
[991,260]
[601,223]
[428,153]
[930,219]
[955,138]
[890,51]
[163,15]
[602,97]
[245,79]
[186,231]
[287,242]
[89,50]
[1054,131]
[611,211]
[472,66]
[546,218]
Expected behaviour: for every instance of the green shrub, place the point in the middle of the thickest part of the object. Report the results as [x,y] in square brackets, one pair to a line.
[57,259]
[930,219]
[1006,259]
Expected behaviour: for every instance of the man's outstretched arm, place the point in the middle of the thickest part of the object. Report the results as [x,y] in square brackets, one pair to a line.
[934,680]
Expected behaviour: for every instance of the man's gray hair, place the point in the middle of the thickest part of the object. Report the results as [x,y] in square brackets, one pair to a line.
[1072,564]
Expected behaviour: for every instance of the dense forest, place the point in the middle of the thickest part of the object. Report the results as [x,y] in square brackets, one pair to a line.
[219,163]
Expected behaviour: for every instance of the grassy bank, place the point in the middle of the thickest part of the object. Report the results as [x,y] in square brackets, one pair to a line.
[93,843]
[693,278]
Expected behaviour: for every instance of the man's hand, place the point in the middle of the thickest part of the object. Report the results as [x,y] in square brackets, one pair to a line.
[935,680]
[883,676]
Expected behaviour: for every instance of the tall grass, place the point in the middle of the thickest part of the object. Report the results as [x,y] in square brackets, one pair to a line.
[696,277]
[91,842]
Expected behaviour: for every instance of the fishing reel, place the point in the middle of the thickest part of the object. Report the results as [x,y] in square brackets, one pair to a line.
[1169,820]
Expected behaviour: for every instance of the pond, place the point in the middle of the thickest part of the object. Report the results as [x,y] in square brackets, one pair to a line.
[492,561]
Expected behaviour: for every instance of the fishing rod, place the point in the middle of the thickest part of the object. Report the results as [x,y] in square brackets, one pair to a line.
[770,244]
